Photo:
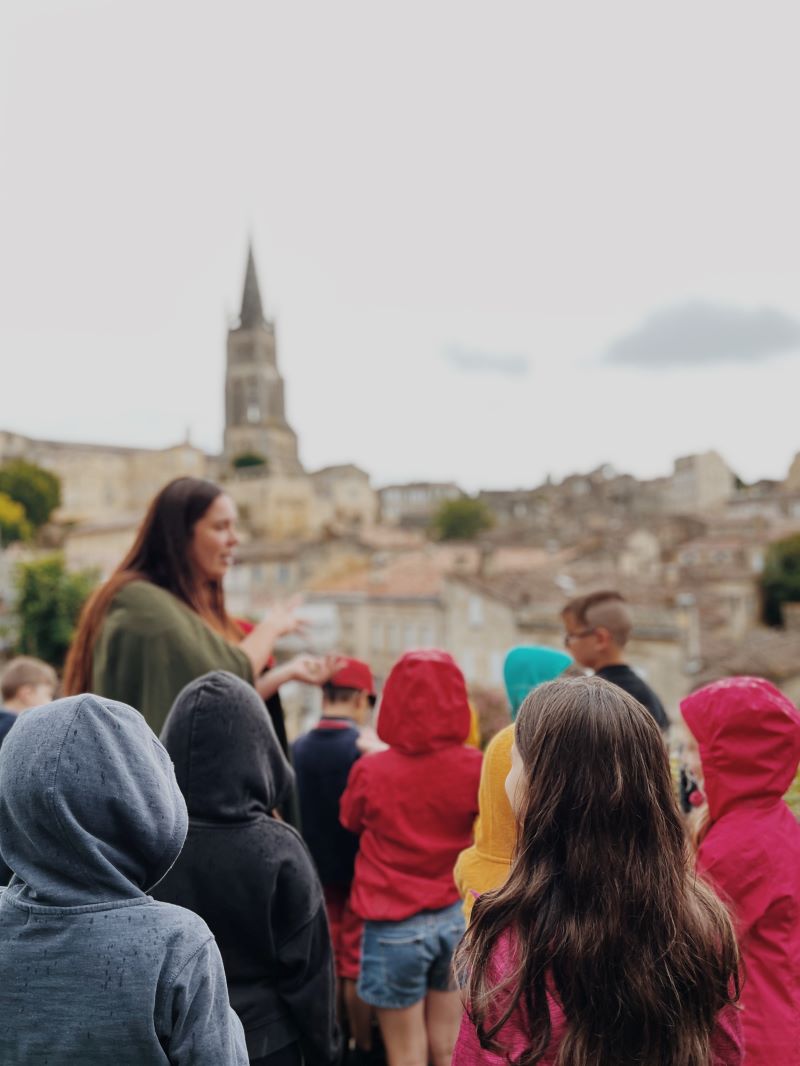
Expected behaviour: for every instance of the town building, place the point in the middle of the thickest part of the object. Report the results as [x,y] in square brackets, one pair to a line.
[102,482]
[415,503]
[700,483]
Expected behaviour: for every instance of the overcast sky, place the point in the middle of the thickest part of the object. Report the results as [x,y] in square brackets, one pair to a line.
[500,240]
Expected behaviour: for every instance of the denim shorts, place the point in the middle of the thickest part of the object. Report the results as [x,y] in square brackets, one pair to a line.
[402,961]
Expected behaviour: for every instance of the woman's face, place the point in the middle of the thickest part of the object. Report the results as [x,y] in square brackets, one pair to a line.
[515,781]
[213,540]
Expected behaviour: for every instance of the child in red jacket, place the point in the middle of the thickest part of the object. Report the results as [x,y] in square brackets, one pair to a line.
[749,739]
[414,806]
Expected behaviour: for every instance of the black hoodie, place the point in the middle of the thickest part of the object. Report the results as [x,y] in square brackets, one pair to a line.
[247,873]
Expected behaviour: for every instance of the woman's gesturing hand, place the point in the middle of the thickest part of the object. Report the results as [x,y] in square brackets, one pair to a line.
[282,618]
[308,669]
[280,622]
[314,669]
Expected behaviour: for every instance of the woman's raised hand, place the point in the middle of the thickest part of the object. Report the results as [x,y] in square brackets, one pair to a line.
[309,669]
[314,669]
[280,622]
[282,618]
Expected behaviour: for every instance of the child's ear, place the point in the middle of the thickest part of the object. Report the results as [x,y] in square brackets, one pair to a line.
[604,637]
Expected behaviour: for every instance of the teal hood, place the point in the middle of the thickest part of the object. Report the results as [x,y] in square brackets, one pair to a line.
[530,665]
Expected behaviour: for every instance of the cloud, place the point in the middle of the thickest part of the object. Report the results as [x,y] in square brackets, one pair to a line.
[699,334]
[473,361]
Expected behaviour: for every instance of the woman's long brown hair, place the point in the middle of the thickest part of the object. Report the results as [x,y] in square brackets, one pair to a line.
[602,905]
[160,554]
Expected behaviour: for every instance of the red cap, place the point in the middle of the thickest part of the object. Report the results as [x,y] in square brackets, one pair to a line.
[354,674]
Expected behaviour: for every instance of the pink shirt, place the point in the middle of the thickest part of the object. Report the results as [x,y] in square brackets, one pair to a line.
[726,1041]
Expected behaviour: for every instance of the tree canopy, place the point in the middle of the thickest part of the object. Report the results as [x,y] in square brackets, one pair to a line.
[36,489]
[780,579]
[246,459]
[49,600]
[461,519]
[13,523]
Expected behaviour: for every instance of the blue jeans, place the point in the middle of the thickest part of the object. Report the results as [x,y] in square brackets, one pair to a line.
[401,961]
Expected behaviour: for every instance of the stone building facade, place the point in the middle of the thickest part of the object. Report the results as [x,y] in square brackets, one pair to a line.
[415,503]
[102,482]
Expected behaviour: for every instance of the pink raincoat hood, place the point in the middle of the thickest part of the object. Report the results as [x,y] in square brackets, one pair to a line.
[424,703]
[748,733]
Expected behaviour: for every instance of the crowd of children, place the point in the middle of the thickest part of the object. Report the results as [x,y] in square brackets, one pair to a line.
[546,903]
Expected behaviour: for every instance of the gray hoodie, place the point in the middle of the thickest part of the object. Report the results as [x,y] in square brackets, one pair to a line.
[93,970]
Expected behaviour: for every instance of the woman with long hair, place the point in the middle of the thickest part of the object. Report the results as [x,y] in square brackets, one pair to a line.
[602,946]
[160,620]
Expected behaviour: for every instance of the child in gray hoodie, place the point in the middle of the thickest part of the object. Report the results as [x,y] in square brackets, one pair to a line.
[92,969]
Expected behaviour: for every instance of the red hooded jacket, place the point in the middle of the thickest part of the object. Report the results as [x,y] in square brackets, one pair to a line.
[749,738]
[414,805]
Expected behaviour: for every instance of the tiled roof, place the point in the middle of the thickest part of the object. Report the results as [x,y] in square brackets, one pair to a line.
[410,576]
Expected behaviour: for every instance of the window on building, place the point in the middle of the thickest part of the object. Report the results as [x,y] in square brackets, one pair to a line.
[393,637]
[409,637]
[475,611]
[376,636]
[468,664]
[282,574]
[496,667]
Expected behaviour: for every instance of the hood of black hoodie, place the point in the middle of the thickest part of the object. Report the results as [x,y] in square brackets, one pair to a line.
[228,762]
[89,808]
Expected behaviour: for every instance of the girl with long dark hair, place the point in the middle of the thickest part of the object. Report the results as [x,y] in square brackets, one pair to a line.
[160,620]
[602,948]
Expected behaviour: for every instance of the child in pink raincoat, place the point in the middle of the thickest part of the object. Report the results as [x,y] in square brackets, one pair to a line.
[748,734]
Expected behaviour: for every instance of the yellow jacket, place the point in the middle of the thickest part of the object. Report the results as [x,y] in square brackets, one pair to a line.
[485,864]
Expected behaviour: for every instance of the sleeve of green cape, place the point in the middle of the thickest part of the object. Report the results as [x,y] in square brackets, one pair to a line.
[151,645]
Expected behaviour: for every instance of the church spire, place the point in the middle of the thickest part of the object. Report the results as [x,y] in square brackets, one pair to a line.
[252,313]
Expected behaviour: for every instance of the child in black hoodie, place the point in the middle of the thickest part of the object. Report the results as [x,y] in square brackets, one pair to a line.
[248,874]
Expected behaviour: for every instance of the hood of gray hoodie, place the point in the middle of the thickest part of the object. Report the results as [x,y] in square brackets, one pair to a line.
[90,810]
[228,762]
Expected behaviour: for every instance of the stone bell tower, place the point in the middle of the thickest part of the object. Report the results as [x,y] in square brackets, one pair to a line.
[255,417]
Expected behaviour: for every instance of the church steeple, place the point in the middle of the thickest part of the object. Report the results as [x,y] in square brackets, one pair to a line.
[255,413]
[252,314]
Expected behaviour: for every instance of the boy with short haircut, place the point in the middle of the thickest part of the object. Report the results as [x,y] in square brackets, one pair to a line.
[92,969]
[598,627]
[322,761]
[25,682]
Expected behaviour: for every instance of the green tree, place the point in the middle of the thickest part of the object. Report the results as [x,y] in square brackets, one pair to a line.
[49,600]
[36,489]
[13,523]
[461,519]
[247,459]
[780,579]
